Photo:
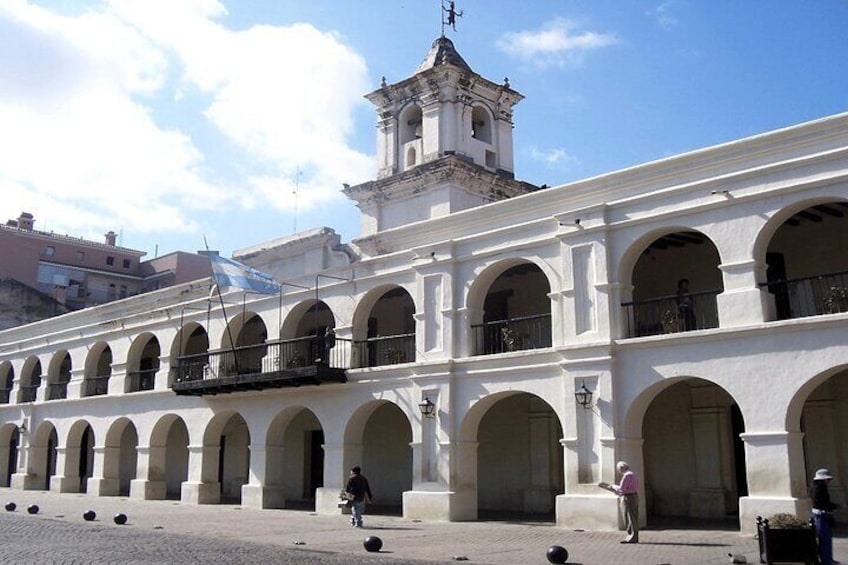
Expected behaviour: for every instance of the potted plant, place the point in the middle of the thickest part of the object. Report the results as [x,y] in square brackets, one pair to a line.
[786,538]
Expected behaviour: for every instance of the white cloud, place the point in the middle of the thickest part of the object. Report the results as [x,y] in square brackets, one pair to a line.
[664,14]
[554,158]
[89,142]
[557,43]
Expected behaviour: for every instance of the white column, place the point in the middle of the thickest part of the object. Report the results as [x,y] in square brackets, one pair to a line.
[202,486]
[258,493]
[104,478]
[742,302]
[150,484]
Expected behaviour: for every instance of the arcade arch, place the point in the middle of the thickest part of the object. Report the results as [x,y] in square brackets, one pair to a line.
[42,456]
[59,375]
[120,460]
[98,370]
[7,379]
[226,444]
[142,363]
[30,380]
[167,466]
[79,457]
[294,465]
[384,327]
[10,443]
[189,353]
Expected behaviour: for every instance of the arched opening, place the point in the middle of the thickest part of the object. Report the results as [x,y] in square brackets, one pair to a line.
[7,379]
[42,455]
[411,124]
[675,284]
[295,459]
[10,442]
[168,463]
[389,328]
[189,354]
[823,420]
[807,272]
[693,454]
[30,380]
[250,334]
[79,457]
[519,469]
[98,370]
[481,125]
[516,311]
[143,363]
[227,438]
[120,458]
[384,433]
[411,159]
[59,375]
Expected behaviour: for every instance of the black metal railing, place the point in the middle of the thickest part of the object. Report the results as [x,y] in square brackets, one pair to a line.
[515,334]
[57,391]
[671,314]
[29,392]
[138,381]
[4,396]
[96,386]
[386,350]
[268,357]
[810,296]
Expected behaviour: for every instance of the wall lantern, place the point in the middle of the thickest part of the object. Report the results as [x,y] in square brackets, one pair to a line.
[583,396]
[427,408]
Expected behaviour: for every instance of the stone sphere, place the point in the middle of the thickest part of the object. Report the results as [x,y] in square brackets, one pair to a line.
[89,516]
[372,543]
[557,554]
[32,508]
[120,519]
[10,506]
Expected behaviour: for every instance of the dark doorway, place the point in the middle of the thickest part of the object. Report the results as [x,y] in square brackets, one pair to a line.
[315,465]
[738,428]
[776,271]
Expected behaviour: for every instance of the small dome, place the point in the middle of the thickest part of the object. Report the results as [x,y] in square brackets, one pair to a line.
[442,52]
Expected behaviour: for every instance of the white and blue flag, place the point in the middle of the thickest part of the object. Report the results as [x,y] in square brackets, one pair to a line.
[229,273]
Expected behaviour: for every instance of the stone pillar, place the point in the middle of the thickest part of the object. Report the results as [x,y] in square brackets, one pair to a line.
[257,493]
[162,376]
[776,481]
[118,380]
[104,479]
[335,477]
[75,385]
[151,484]
[742,302]
[65,459]
[202,486]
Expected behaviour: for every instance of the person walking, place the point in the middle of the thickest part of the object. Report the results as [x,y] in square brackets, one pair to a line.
[358,486]
[628,490]
[823,514]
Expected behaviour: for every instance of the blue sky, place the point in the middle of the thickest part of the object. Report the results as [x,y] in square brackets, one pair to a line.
[168,120]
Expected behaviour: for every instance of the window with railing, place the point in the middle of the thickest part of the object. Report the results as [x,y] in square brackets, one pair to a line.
[96,386]
[29,392]
[515,334]
[387,350]
[810,296]
[671,314]
[4,396]
[138,381]
[57,391]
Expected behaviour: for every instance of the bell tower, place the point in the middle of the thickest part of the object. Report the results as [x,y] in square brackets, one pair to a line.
[444,138]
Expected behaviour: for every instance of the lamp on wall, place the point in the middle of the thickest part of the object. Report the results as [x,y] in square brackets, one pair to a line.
[23,427]
[583,396]
[428,409]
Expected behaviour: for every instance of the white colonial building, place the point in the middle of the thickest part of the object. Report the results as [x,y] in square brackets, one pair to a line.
[495,305]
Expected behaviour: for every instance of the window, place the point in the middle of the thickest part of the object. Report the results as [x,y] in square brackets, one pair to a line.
[80,255]
[123,293]
[126,263]
[50,250]
[110,260]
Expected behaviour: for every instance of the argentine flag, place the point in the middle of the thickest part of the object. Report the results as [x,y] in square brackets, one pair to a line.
[229,273]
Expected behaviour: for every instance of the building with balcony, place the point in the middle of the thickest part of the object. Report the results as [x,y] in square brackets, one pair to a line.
[60,272]
[485,348]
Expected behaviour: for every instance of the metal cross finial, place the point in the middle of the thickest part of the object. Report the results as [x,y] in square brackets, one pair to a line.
[452,14]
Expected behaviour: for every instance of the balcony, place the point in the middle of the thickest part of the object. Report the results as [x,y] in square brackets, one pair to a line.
[96,386]
[671,314]
[29,393]
[139,381]
[277,364]
[811,296]
[386,350]
[516,334]
[4,396]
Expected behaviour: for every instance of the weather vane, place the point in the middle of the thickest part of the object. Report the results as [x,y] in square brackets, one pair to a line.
[449,15]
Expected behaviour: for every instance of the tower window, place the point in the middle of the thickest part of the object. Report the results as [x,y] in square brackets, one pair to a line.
[411,124]
[481,125]
[126,263]
[110,260]
[410,157]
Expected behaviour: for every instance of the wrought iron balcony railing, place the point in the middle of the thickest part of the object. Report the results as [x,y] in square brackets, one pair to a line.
[386,350]
[96,386]
[29,392]
[4,396]
[810,296]
[57,391]
[138,381]
[671,314]
[515,334]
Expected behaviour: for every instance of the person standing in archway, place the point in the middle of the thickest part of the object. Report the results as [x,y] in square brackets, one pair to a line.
[822,515]
[358,486]
[628,490]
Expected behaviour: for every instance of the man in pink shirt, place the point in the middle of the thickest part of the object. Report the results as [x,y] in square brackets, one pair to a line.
[628,490]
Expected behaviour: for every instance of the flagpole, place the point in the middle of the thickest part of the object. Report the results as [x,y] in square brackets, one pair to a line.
[224,311]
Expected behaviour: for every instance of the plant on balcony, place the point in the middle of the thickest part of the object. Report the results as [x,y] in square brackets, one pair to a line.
[394,356]
[836,300]
[510,342]
[786,538]
[670,321]
[295,361]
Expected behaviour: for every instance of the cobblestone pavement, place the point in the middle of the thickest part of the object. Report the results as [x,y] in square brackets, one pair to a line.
[172,532]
